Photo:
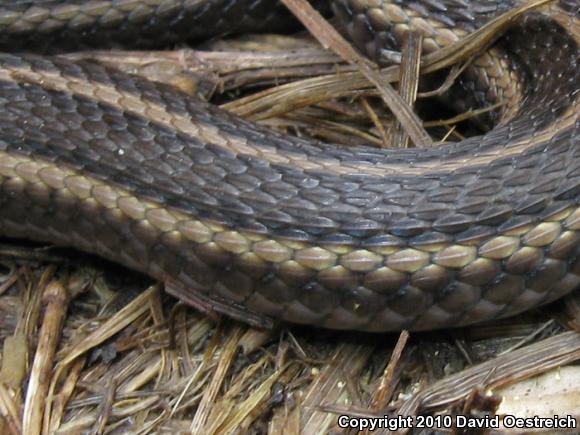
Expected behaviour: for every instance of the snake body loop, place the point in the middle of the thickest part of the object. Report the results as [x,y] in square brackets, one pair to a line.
[236,218]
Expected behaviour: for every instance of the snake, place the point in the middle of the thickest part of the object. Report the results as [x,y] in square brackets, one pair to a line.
[237,219]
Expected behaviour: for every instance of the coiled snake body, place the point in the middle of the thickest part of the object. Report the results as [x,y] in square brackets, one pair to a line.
[239,219]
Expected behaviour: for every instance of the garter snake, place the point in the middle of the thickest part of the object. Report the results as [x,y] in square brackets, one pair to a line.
[237,218]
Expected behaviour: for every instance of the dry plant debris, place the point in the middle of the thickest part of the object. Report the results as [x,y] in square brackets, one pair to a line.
[145,363]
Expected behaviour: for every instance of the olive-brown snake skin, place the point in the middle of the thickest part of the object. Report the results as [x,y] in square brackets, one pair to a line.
[243,220]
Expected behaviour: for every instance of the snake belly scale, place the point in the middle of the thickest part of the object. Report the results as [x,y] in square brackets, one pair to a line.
[240,219]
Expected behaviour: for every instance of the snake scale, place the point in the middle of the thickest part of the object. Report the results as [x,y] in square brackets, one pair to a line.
[237,218]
